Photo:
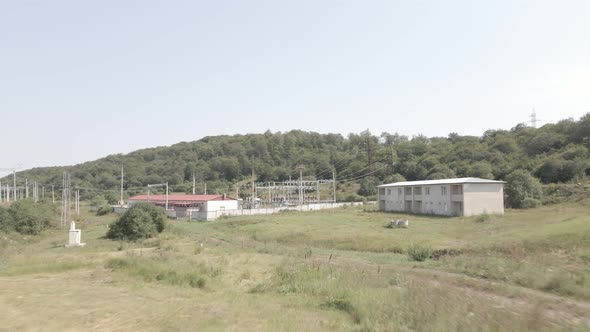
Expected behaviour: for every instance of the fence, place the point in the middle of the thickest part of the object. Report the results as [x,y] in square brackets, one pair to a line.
[212,215]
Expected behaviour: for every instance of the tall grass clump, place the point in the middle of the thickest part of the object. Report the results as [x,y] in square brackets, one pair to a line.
[150,270]
[419,253]
[484,217]
[345,305]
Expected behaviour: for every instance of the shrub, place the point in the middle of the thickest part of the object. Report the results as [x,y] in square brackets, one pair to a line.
[157,213]
[104,209]
[419,253]
[27,217]
[141,221]
[98,201]
[529,203]
[352,198]
[521,185]
[483,217]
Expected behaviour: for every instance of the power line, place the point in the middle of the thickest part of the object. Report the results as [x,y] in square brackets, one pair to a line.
[364,175]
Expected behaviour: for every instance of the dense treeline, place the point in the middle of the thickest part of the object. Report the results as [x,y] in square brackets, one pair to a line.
[553,153]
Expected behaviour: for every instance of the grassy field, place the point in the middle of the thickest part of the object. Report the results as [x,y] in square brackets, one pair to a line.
[326,270]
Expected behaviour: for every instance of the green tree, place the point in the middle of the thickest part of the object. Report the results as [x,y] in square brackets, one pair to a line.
[368,187]
[522,190]
[141,221]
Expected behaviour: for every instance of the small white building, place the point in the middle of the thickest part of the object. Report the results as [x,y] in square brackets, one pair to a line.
[203,207]
[449,197]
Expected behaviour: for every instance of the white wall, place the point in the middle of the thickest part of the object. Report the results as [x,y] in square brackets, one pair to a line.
[483,198]
[212,215]
[221,205]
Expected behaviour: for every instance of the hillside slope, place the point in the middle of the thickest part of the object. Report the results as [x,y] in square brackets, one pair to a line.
[554,153]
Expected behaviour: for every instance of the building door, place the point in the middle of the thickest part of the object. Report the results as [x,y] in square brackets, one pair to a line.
[457,208]
[382,205]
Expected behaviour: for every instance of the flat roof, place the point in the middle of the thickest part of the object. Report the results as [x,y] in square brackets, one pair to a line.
[180,198]
[441,181]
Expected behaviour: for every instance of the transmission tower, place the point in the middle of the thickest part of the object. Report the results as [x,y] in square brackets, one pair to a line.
[534,119]
[65,199]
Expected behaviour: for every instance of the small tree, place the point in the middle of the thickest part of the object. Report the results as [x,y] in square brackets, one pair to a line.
[141,221]
[522,190]
[368,187]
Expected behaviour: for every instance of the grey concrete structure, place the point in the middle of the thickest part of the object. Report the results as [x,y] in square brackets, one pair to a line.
[449,197]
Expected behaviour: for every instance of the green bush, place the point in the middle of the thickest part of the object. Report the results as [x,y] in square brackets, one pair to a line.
[98,201]
[419,253]
[157,214]
[529,203]
[5,224]
[522,190]
[483,217]
[104,210]
[141,221]
[27,217]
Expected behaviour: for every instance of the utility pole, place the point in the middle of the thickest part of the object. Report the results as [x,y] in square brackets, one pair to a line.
[194,183]
[334,184]
[52,194]
[318,189]
[158,185]
[14,183]
[300,168]
[122,176]
[26,188]
[64,199]
[252,196]
[369,152]
[205,188]
[77,204]
[289,191]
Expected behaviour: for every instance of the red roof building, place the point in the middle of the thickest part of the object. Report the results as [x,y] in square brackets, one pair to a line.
[188,205]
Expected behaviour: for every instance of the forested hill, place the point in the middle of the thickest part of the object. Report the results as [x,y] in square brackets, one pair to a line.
[553,153]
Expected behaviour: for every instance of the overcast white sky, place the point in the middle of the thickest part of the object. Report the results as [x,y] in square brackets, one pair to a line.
[83,79]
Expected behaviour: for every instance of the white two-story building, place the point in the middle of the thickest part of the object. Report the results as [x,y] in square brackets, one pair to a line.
[450,197]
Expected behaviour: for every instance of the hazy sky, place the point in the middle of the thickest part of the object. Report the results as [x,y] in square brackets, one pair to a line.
[83,79]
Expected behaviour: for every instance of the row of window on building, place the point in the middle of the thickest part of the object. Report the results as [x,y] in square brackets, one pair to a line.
[455,190]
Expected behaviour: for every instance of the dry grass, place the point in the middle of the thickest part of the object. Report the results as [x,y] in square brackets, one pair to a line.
[330,270]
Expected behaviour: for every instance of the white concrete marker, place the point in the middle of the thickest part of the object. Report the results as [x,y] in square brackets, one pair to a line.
[75,237]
